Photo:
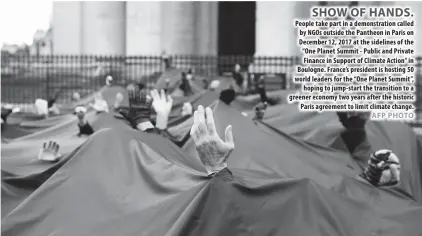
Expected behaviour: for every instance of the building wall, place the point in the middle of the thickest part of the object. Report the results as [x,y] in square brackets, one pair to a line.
[42,43]
[149,28]
[274,31]
[66,24]
[417,10]
[178,27]
[104,28]
[143,28]
[206,18]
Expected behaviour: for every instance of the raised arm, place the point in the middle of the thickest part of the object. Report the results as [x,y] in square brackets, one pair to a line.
[162,105]
[383,169]
[84,127]
[139,113]
[355,134]
[99,105]
[211,149]
[118,101]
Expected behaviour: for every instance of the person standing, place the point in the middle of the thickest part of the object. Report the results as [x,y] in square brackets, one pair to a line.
[237,75]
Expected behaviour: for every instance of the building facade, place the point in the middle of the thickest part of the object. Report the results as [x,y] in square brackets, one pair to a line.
[186,28]
[42,43]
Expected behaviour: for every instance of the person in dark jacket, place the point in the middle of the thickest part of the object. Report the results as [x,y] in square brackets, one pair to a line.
[185,85]
[237,75]
[51,103]
[261,89]
[166,60]
[167,86]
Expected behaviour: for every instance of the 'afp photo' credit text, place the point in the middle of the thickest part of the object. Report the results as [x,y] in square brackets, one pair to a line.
[358,59]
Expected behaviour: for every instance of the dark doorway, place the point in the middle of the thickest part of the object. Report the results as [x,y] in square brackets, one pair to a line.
[236,28]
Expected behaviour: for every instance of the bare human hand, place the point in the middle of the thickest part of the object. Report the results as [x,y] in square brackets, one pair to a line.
[212,151]
[162,105]
[80,112]
[118,101]
[49,152]
[187,109]
[99,105]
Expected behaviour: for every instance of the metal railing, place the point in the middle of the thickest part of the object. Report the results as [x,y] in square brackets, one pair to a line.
[25,78]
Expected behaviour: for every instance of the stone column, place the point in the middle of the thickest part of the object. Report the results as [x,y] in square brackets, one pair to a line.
[104,28]
[417,12]
[206,15]
[143,28]
[178,26]
[275,35]
[67,28]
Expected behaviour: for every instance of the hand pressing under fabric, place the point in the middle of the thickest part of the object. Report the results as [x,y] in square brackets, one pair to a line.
[139,107]
[100,105]
[76,97]
[162,105]
[260,110]
[108,80]
[84,127]
[118,101]
[383,169]
[50,152]
[187,109]
[12,109]
[80,112]
[212,151]
[7,110]
[41,107]
[214,85]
